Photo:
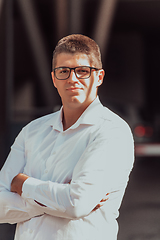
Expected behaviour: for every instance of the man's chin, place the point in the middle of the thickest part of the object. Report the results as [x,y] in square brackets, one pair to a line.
[79,102]
[77,98]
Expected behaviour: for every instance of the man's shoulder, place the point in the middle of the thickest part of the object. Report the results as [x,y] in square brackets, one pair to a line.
[48,119]
[112,117]
[113,121]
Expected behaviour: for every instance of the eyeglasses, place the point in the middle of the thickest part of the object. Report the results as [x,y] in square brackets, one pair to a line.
[82,72]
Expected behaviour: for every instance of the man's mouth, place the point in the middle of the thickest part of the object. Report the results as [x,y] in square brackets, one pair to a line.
[72,89]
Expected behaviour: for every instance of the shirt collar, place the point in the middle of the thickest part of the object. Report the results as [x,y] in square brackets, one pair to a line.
[92,113]
[89,117]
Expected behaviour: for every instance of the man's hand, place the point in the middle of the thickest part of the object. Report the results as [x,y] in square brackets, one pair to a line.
[17,183]
[101,203]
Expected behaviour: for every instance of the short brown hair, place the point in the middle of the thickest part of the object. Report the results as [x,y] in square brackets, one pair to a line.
[77,43]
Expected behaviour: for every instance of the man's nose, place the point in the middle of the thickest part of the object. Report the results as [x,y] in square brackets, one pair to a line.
[73,76]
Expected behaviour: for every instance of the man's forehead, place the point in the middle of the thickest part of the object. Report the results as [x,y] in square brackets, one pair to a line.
[71,58]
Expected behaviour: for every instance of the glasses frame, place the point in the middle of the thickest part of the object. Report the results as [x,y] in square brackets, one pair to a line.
[91,68]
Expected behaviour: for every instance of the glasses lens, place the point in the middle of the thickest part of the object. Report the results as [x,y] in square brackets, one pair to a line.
[62,73]
[82,72]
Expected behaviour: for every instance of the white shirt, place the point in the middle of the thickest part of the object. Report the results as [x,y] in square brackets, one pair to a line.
[96,154]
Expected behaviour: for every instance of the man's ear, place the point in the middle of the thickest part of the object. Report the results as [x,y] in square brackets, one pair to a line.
[101,75]
[53,79]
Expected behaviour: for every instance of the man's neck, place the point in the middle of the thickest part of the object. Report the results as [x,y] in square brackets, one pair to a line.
[70,116]
[71,113]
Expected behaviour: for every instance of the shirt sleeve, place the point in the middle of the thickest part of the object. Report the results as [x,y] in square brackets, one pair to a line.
[13,208]
[103,168]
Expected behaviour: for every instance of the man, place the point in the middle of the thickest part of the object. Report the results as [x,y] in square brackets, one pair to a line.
[66,174]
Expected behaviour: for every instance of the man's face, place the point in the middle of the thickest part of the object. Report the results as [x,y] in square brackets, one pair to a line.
[74,92]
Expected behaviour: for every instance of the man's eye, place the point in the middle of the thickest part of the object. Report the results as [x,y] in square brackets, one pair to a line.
[63,71]
[84,71]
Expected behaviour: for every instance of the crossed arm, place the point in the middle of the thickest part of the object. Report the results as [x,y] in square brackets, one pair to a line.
[63,200]
[17,184]
[91,180]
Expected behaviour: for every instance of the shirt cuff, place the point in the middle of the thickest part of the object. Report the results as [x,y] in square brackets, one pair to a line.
[29,186]
[32,191]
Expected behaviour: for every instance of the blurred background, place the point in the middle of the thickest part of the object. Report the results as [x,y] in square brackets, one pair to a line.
[128,33]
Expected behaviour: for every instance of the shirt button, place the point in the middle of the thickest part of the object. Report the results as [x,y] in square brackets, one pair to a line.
[30,231]
[46,171]
[54,153]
